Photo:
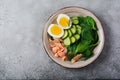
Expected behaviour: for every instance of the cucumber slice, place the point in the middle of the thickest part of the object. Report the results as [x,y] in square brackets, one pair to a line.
[74,26]
[70,33]
[65,34]
[72,39]
[67,41]
[79,31]
[77,36]
[75,21]
[75,17]
[78,26]
[73,29]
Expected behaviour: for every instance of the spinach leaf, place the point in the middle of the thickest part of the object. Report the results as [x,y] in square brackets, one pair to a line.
[70,56]
[81,47]
[90,21]
[72,49]
[86,38]
[95,35]
[88,53]
[88,41]
[81,19]
[92,46]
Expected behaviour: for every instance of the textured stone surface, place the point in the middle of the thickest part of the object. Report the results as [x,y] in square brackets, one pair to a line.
[21,52]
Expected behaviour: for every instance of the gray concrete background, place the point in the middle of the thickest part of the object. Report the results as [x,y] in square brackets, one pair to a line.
[21,52]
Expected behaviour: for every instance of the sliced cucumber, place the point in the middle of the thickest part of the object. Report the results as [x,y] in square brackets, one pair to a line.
[74,26]
[73,30]
[70,33]
[75,17]
[65,34]
[79,31]
[75,21]
[78,26]
[67,41]
[72,39]
[77,36]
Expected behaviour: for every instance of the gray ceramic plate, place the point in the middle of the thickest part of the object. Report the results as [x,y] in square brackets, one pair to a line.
[73,11]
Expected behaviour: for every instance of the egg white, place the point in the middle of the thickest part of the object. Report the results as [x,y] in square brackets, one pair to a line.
[63,15]
[55,36]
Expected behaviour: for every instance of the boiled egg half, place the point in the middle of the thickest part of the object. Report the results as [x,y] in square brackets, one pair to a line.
[64,21]
[55,31]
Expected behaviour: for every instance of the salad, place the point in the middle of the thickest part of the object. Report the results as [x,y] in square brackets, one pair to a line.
[73,38]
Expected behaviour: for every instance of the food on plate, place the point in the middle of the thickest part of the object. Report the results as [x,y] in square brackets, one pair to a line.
[73,38]
[76,58]
[55,31]
[58,48]
[64,21]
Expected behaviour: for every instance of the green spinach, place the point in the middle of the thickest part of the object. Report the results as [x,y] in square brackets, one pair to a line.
[88,41]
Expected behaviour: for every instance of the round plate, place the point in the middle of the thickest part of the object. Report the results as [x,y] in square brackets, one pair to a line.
[73,11]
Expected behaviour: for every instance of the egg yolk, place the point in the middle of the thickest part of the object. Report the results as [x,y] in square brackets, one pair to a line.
[55,30]
[64,22]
